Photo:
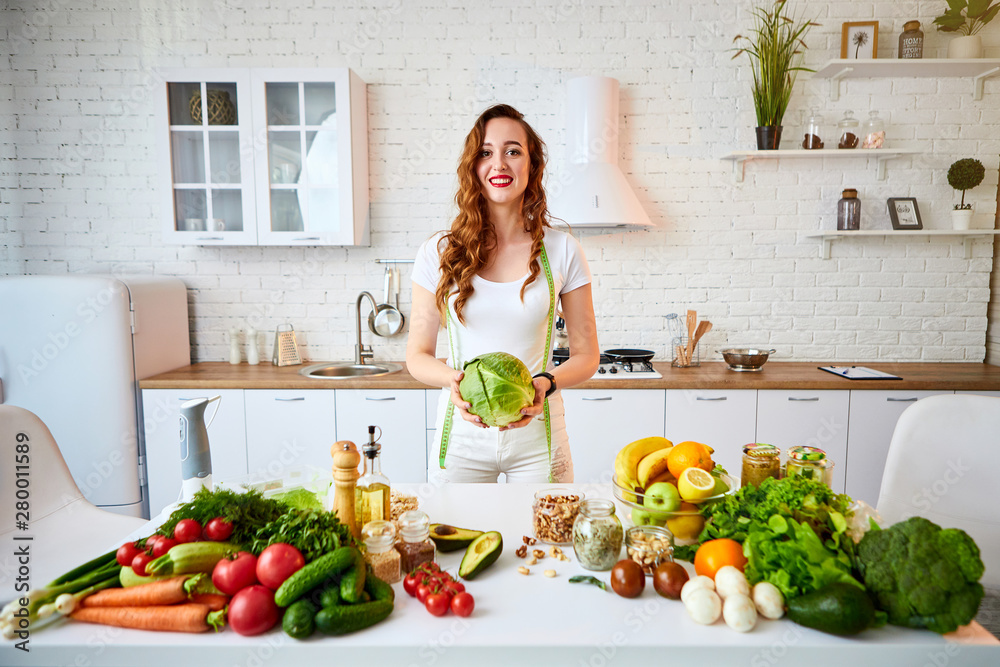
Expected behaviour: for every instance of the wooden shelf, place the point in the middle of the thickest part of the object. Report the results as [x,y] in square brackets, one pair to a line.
[967,236]
[880,154]
[978,69]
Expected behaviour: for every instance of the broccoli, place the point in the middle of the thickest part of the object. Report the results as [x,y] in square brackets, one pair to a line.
[921,575]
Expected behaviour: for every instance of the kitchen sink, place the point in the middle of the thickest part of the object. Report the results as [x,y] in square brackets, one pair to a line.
[348,369]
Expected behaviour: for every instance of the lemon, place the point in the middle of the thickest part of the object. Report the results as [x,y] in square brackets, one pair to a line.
[695,484]
[687,523]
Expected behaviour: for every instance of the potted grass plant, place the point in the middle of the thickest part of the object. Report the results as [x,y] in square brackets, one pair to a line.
[774,46]
[964,175]
[966,17]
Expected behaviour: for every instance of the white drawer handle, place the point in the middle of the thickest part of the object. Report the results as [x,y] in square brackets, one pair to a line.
[901,400]
[386,398]
[599,398]
[711,398]
[297,398]
[814,398]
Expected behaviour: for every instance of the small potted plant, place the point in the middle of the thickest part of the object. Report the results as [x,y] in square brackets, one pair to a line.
[964,175]
[977,13]
[774,47]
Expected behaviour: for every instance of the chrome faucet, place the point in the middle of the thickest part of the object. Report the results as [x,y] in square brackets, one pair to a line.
[362,352]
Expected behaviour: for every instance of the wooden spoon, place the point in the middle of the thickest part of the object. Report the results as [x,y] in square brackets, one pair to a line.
[692,320]
[703,328]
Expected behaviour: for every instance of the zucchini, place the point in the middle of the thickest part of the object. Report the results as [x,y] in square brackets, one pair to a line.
[299,620]
[378,589]
[190,557]
[129,578]
[350,618]
[352,584]
[315,573]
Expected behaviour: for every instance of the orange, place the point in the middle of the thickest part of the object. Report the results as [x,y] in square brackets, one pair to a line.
[689,455]
[714,554]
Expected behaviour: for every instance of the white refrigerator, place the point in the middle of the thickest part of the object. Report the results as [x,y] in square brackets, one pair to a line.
[73,349]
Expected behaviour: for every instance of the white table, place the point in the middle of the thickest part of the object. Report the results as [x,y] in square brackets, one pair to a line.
[518,620]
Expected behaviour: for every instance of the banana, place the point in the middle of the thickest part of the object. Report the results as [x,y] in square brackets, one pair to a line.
[651,466]
[664,476]
[627,461]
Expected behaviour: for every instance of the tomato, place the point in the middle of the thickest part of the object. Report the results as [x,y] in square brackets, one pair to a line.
[627,578]
[462,604]
[233,575]
[437,603]
[152,540]
[410,584]
[218,529]
[163,545]
[454,587]
[429,566]
[278,562]
[252,610]
[187,530]
[423,590]
[139,563]
[126,553]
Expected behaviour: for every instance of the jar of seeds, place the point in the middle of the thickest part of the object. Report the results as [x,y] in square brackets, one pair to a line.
[597,535]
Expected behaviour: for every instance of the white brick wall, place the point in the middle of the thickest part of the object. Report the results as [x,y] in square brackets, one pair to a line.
[78,175]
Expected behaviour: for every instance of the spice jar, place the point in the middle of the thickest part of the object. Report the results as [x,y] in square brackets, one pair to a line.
[380,537]
[809,462]
[416,547]
[649,546]
[760,461]
[849,210]
[873,131]
[911,41]
[553,514]
[848,127]
[597,535]
[812,138]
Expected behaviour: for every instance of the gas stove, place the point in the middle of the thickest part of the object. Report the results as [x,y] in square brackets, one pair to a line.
[610,369]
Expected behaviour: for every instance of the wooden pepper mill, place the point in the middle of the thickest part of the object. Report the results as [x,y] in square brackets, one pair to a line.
[345,479]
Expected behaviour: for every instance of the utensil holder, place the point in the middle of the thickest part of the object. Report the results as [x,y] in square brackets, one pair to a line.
[681,358]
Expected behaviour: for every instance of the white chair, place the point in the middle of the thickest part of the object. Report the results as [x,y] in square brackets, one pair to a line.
[66,530]
[943,465]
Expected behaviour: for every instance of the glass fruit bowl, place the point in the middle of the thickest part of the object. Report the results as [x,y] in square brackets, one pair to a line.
[681,517]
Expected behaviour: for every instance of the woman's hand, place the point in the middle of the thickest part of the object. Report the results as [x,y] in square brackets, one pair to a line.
[541,385]
[461,404]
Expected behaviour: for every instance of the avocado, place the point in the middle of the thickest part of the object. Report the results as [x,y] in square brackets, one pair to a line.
[838,608]
[480,554]
[448,538]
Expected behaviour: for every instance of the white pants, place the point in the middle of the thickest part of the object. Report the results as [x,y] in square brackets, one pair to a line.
[481,454]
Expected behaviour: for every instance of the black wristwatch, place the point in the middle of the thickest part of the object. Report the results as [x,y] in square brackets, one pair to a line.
[551,380]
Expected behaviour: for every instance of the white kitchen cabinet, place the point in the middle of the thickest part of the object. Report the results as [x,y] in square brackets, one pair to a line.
[600,422]
[289,427]
[874,414]
[264,156]
[722,419]
[995,394]
[161,418]
[400,414]
[788,418]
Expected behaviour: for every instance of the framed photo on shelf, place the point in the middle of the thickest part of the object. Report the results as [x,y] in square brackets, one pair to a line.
[903,213]
[859,41]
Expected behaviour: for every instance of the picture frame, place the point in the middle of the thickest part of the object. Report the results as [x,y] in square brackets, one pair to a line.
[904,213]
[859,40]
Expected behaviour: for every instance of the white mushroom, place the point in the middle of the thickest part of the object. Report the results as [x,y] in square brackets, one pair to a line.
[699,582]
[739,613]
[731,581]
[768,599]
[703,606]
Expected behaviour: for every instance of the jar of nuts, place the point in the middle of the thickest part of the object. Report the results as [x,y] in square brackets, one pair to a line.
[553,514]
[649,546]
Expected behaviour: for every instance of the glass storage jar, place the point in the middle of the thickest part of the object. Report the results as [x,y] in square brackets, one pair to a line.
[873,132]
[416,548]
[760,461]
[813,129]
[809,462]
[848,129]
[911,41]
[597,535]
[649,546]
[380,537]
[553,514]
[849,210]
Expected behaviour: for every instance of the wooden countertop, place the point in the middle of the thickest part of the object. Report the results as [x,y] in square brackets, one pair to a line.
[710,375]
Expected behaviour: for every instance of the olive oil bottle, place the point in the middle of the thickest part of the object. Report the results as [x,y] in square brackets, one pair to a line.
[371,496]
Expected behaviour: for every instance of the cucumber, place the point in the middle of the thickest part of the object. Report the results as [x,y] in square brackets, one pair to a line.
[378,589]
[350,618]
[330,595]
[352,584]
[839,608]
[299,620]
[315,573]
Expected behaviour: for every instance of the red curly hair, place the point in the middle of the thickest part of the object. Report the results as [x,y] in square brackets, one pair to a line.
[472,239]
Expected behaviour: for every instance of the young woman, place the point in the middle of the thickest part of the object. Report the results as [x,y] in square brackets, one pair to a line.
[494,283]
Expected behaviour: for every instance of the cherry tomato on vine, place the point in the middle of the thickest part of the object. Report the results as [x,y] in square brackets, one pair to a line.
[463,604]
[423,590]
[187,530]
[410,584]
[437,603]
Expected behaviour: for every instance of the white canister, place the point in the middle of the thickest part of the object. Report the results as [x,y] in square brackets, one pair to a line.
[253,352]
[234,346]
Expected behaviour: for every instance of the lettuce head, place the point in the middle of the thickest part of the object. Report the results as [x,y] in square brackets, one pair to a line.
[498,385]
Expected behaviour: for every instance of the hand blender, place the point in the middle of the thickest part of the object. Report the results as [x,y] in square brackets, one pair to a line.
[196,458]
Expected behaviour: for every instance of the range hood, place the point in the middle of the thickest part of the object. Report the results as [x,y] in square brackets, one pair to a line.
[591,191]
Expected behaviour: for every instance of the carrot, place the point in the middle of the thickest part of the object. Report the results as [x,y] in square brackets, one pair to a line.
[214,601]
[155,593]
[189,617]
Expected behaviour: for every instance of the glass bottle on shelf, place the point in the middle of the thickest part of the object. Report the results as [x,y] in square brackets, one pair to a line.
[849,210]
[848,127]
[911,41]
[372,491]
[873,131]
[812,138]
[416,547]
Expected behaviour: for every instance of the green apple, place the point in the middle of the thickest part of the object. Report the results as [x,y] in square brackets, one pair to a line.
[662,497]
[640,518]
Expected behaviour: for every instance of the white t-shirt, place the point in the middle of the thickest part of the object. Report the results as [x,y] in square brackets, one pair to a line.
[495,318]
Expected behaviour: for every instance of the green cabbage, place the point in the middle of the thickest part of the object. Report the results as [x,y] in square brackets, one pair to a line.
[498,385]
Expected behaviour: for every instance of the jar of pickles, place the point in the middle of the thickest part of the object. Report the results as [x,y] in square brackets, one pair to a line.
[597,534]
[760,461]
[809,462]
